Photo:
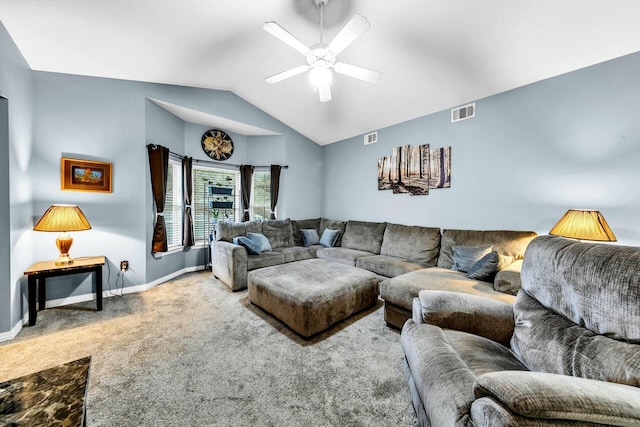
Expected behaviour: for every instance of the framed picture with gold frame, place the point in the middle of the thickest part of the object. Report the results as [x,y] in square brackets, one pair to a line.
[85,175]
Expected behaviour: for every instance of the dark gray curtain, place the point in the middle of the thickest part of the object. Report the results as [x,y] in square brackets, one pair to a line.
[159,166]
[187,190]
[274,188]
[246,178]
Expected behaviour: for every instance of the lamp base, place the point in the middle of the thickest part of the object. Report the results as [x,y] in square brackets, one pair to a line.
[64,242]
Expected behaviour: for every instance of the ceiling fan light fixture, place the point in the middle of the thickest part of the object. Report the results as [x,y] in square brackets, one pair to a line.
[320,76]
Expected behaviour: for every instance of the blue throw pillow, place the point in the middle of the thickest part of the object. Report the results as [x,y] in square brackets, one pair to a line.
[485,269]
[329,237]
[465,256]
[310,237]
[261,240]
[488,266]
[252,247]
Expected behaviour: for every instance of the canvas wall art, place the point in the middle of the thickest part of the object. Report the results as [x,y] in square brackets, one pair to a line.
[415,169]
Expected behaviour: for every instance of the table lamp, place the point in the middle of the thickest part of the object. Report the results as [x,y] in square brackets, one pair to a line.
[583,224]
[62,219]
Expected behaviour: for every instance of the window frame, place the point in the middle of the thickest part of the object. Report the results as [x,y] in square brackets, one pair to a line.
[176,204]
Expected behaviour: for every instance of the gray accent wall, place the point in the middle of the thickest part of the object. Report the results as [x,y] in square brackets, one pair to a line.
[530,154]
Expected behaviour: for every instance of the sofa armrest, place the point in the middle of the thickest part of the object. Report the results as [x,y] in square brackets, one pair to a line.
[229,264]
[469,313]
[561,397]
[508,280]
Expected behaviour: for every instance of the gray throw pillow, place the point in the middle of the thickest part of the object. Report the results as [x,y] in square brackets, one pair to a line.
[310,237]
[261,240]
[488,266]
[329,237]
[252,247]
[465,256]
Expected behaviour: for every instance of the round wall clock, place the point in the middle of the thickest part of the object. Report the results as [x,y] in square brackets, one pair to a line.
[217,144]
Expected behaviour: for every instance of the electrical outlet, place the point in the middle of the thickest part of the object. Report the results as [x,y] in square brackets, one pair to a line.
[124,265]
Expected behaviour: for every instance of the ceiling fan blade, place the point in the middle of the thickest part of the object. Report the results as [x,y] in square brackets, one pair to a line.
[354,29]
[325,93]
[365,74]
[284,35]
[286,74]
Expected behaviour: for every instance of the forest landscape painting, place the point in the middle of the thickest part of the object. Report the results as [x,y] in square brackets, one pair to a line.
[415,169]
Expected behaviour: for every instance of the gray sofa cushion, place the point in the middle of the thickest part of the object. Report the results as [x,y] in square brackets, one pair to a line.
[341,255]
[297,253]
[279,232]
[445,364]
[594,285]
[505,242]
[364,236]
[227,231]
[333,225]
[508,279]
[265,259]
[417,244]
[401,290]
[552,397]
[302,224]
[387,266]
[547,342]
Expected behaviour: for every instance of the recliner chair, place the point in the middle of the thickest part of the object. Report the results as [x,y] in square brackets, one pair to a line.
[567,353]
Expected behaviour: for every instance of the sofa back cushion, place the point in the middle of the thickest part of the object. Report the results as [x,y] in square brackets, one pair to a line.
[418,244]
[304,224]
[333,225]
[279,232]
[364,236]
[578,312]
[227,231]
[505,242]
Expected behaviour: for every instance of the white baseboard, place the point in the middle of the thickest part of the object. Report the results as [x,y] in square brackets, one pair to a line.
[7,336]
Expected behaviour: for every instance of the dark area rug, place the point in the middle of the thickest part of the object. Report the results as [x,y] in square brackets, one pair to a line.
[192,353]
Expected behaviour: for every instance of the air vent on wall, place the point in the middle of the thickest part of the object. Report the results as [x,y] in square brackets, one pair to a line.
[371,138]
[463,113]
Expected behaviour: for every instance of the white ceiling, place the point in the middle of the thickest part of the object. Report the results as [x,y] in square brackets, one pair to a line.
[434,54]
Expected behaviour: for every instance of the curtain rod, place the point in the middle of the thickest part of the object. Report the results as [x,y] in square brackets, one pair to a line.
[212,162]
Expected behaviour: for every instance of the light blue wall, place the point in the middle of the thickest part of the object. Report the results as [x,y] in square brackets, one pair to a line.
[53,115]
[529,155]
[16,155]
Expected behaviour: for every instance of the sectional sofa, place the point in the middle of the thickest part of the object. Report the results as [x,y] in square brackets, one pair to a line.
[406,259]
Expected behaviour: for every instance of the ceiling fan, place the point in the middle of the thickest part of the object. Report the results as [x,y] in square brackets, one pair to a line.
[321,57]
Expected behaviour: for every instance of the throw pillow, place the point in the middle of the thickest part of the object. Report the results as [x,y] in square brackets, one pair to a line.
[488,266]
[485,269]
[465,256]
[329,237]
[261,240]
[310,237]
[252,247]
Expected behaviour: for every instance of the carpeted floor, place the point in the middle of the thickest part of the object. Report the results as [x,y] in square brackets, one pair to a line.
[191,353]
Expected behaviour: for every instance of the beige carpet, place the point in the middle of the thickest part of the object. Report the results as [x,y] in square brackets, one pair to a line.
[191,353]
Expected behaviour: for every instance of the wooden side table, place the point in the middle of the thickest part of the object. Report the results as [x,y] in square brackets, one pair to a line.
[37,275]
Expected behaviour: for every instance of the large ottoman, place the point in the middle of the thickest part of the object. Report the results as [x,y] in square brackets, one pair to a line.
[311,295]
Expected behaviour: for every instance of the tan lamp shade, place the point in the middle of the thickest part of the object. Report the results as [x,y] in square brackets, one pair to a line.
[583,225]
[63,218]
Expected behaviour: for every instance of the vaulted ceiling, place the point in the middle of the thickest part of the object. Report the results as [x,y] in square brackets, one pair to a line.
[433,54]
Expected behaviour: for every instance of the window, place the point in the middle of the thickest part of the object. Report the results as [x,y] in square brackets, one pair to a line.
[261,195]
[173,204]
[202,178]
